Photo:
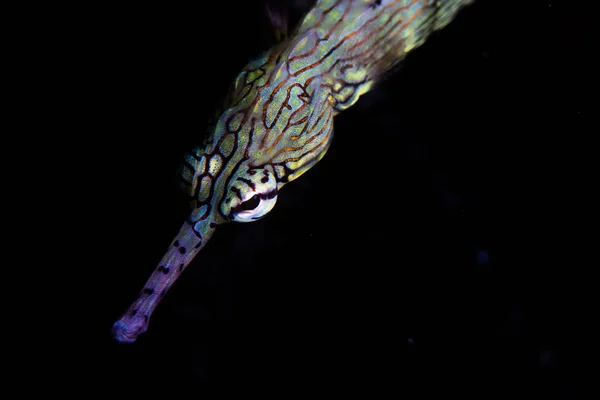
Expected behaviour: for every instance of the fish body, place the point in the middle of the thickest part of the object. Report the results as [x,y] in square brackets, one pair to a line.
[277,121]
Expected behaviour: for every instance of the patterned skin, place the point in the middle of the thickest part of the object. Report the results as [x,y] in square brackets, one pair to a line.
[278,121]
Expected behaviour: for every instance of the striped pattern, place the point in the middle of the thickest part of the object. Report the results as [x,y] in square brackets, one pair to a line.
[278,120]
[280,108]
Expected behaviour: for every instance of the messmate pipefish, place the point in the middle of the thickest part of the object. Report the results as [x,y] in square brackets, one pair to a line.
[277,121]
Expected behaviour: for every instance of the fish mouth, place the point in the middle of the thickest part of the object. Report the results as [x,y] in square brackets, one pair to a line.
[126,332]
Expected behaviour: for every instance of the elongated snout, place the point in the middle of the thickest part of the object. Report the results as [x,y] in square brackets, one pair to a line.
[191,239]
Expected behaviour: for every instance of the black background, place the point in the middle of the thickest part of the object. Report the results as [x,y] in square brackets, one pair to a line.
[396,264]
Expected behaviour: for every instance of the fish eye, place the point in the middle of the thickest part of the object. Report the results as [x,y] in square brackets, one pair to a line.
[250,204]
[255,207]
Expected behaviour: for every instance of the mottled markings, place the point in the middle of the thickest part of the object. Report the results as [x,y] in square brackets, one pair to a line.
[312,127]
[345,94]
[237,192]
[266,106]
[386,36]
[349,95]
[281,173]
[276,94]
[304,48]
[215,164]
[163,269]
[379,28]
[296,123]
[294,149]
[250,139]
[343,68]
[187,172]
[317,63]
[285,104]
[226,145]
[334,15]
[355,33]
[191,172]
[204,188]
[254,75]
[269,195]
[244,91]
[199,214]
[235,121]
[195,229]
[290,120]
[228,181]
[301,45]
[299,135]
[195,154]
[197,185]
[324,13]
[247,182]
[309,151]
[240,94]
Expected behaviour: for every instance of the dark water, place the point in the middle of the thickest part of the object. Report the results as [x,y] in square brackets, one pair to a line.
[395,264]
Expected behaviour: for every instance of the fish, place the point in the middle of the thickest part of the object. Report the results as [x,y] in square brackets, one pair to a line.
[276,121]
